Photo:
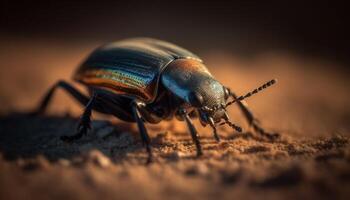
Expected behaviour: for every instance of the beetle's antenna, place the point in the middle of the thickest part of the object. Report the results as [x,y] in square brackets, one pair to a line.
[256,90]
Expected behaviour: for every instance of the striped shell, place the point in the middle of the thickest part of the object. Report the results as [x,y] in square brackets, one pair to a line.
[130,67]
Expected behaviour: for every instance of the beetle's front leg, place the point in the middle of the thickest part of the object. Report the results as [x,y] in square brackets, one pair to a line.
[253,122]
[136,106]
[192,130]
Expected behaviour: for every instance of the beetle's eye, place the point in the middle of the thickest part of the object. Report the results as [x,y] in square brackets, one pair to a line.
[195,99]
[227,92]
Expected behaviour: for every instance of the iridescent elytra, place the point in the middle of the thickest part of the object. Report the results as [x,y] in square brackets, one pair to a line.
[148,80]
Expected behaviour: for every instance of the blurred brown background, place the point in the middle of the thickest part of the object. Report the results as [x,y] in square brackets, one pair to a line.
[316,28]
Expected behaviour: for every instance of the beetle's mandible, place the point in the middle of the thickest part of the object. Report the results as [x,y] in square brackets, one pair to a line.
[148,80]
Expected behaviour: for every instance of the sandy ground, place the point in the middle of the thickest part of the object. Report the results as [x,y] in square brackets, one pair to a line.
[308,107]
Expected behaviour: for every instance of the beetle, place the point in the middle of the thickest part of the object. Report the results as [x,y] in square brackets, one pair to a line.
[148,80]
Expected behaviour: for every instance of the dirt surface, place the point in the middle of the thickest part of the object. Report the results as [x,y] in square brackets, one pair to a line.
[308,107]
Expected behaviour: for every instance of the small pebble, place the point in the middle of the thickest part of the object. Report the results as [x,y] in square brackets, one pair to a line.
[175,155]
[43,163]
[64,162]
[161,138]
[77,161]
[98,159]
[40,162]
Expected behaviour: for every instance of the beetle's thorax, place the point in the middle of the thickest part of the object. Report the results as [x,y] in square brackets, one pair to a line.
[191,81]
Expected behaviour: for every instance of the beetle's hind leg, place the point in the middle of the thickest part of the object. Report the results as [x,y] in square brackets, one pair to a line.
[142,129]
[85,121]
[253,122]
[67,87]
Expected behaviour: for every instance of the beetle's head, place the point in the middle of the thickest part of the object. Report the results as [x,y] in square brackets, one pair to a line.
[209,98]
[212,100]
[212,113]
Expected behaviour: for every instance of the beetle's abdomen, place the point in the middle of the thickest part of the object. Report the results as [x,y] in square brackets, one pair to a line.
[131,67]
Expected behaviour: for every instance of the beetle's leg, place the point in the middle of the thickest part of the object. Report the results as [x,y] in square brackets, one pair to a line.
[142,129]
[66,86]
[193,132]
[212,124]
[85,121]
[253,122]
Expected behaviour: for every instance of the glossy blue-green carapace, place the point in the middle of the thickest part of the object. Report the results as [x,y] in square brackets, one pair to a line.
[131,67]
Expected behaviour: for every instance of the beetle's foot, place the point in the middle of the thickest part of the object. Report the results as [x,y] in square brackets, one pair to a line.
[216,135]
[82,130]
[199,153]
[217,138]
[262,132]
[149,159]
[150,155]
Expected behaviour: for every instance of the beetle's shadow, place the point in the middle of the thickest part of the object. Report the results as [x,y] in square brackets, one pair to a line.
[25,136]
